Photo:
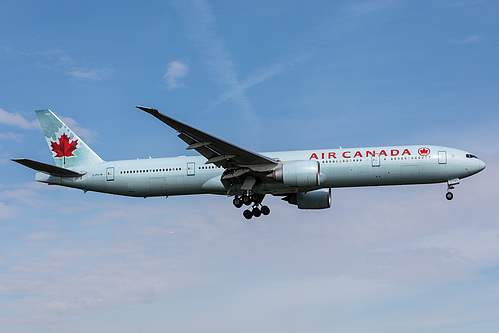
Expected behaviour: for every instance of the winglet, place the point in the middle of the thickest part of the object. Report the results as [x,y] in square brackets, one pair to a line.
[147,109]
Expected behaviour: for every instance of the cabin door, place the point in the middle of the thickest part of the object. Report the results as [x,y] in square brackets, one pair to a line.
[191,169]
[110,174]
[442,157]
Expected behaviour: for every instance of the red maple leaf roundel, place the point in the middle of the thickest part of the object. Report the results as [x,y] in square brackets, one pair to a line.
[424,151]
[64,148]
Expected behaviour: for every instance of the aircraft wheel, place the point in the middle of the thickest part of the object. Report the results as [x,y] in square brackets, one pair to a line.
[265,210]
[255,198]
[237,202]
[449,195]
[248,214]
[256,212]
[246,200]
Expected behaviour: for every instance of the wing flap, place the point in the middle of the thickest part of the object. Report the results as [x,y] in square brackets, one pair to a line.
[47,168]
[201,149]
[198,145]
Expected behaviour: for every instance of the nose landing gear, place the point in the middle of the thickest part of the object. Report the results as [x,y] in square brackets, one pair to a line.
[255,199]
[450,186]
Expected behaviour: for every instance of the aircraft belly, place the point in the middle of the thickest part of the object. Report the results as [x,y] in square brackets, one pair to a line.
[390,173]
[410,174]
[184,184]
[174,185]
[367,175]
[214,186]
[158,186]
[155,186]
[44,178]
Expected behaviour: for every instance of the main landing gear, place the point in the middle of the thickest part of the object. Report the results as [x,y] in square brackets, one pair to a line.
[252,199]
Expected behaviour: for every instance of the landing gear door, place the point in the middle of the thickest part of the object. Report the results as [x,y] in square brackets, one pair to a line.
[110,174]
[442,157]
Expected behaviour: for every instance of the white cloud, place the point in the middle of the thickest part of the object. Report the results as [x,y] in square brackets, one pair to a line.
[467,40]
[367,7]
[44,235]
[464,3]
[176,70]
[200,21]
[58,56]
[23,196]
[89,74]
[87,134]
[6,211]
[60,60]
[10,136]
[17,120]
[261,75]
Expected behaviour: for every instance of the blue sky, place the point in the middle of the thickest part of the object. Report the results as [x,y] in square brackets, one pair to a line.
[267,75]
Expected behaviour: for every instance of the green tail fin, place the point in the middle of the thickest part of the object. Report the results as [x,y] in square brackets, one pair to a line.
[68,150]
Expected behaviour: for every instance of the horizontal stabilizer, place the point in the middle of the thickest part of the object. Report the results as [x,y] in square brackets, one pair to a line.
[47,168]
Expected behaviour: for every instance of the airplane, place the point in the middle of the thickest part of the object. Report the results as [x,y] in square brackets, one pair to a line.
[303,178]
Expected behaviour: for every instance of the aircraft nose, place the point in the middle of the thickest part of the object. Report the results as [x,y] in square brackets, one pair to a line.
[481,165]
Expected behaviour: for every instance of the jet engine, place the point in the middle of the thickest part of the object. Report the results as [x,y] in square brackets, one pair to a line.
[318,199]
[298,173]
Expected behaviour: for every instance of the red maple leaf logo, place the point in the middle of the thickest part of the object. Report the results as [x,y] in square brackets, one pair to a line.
[64,148]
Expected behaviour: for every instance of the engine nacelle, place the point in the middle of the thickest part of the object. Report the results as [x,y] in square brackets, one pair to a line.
[298,173]
[318,199]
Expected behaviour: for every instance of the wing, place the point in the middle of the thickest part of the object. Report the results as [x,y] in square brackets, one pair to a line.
[216,151]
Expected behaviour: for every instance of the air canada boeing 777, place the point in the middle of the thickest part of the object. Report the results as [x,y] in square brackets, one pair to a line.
[303,178]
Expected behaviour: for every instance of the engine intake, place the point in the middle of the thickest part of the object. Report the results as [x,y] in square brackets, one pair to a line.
[298,173]
[318,199]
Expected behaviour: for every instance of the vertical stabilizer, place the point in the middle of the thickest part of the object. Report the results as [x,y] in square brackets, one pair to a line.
[68,150]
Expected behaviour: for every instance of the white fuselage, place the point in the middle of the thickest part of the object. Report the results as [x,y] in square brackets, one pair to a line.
[373,166]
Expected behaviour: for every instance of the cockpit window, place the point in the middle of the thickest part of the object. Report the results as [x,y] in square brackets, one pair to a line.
[470,156]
